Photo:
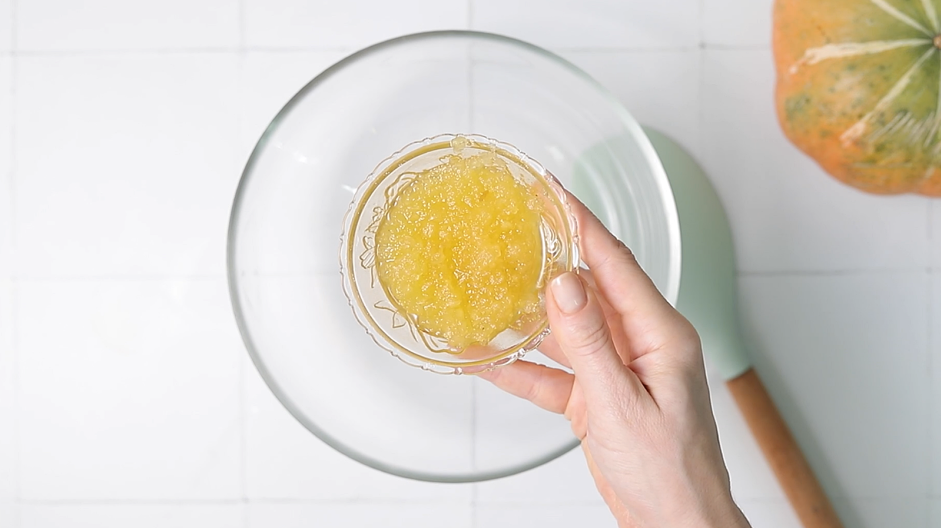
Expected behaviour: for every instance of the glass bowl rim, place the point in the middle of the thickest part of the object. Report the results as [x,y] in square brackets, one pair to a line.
[248,173]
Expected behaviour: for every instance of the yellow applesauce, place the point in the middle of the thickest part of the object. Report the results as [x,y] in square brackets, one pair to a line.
[459,249]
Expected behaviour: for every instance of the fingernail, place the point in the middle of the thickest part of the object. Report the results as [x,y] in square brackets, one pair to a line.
[569,293]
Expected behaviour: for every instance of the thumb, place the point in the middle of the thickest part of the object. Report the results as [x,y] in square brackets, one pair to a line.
[579,326]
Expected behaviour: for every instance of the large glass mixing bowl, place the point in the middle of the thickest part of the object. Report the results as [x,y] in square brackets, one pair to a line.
[286,221]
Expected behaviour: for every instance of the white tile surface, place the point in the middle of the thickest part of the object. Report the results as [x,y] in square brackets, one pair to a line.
[855,513]
[6,159]
[595,514]
[131,169]
[360,515]
[6,25]
[268,81]
[934,335]
[7,408]
[659,88]
[880,512]
[845,358]
[132,515]
[6,163]
[557,24]
[509,429]
[330,25]
[129,390]
[285,461]
[565,479]
[7,395]
[749,473]
[8,515]
[119,25]
[769,513]
[737,22]
[126,165]
[786,213]
[935,233]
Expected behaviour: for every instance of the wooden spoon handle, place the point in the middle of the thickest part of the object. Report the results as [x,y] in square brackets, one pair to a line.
[783,454]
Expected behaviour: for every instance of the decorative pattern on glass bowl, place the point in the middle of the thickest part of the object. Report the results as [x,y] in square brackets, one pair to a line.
[397,331]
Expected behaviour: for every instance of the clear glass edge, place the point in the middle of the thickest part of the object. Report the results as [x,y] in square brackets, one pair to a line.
[474,476]
[446,367]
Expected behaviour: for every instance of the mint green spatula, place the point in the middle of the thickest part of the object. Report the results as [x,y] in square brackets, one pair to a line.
[708,298]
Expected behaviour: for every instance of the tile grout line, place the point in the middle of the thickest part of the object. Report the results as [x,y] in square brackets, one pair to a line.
[264,501]
[241,23]
[242,370]
[701,116]
[408,502]
[14,287]
[119,277]
[15,365]
[131,502]
[828,273]
[473,505]
[243,463]
[932,382]
[138,52]
[702,24]
[346,49]
[12,41]
[243,442]
[929,337]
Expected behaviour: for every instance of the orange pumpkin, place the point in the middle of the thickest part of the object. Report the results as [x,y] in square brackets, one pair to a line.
[858,89]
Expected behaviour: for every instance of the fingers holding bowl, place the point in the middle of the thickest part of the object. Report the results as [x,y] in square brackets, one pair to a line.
[547,387]
[615,271]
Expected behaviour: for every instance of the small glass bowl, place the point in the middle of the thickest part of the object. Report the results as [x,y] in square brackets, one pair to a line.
[393,329]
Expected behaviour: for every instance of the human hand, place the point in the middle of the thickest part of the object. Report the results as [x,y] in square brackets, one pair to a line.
[638,399]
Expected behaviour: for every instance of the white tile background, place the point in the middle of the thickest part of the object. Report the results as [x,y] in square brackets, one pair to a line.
[109,25]
[123,127]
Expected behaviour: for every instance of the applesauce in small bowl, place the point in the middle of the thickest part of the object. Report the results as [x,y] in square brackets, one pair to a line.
[447,248]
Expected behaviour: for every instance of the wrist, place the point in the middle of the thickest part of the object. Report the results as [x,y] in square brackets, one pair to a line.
[717,511]
[726,515]
[738,519]
[719,514]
